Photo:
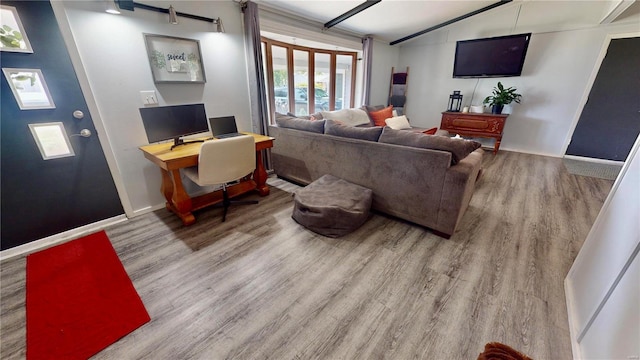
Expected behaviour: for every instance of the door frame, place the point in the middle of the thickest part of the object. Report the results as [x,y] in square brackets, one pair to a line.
[587,90]
[92,105]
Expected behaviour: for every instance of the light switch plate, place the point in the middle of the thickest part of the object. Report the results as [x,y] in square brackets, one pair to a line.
[149,97]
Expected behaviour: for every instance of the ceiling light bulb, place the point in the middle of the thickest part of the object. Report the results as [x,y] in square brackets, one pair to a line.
[112,8]
[219,27]
[173,16]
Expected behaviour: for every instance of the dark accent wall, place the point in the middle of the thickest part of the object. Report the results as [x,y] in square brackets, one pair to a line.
[610,121]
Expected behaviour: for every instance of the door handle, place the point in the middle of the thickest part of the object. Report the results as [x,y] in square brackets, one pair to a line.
[84,133]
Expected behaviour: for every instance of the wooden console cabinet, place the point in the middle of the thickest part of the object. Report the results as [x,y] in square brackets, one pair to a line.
[476,125]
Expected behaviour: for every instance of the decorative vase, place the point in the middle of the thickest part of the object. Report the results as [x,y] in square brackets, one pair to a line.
[497,109]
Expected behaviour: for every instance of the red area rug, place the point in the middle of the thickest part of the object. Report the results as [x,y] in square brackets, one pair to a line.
[79,300]
[498,351]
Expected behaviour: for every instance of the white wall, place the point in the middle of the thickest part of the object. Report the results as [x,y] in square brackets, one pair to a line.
[603,287]
[384,58]
[114,56]
[562,54]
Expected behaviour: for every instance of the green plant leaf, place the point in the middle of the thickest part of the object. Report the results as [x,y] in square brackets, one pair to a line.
[502,95]
[8,42]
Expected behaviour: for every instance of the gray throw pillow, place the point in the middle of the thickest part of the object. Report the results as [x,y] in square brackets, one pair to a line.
[369,109]
[459,148]
[292,122]
[335,128]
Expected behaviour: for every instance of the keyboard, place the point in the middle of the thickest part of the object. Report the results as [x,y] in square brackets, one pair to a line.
[224,136]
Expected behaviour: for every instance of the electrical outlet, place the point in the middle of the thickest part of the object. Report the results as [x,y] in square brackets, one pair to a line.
[149,97]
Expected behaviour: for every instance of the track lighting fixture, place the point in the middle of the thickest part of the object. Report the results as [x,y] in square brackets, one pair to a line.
[219,26]
[111,7]
[173,16]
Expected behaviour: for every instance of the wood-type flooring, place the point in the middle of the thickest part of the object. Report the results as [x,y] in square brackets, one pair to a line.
[259,286]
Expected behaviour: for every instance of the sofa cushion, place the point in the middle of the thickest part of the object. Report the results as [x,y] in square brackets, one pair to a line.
[381,115]
[292,122]
[398,122]
[363,133]
[459,148]
[368,109]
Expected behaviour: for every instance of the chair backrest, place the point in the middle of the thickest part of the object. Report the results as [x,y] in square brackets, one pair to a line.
[225,160]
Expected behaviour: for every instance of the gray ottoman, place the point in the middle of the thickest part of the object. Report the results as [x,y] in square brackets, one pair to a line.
[331,206]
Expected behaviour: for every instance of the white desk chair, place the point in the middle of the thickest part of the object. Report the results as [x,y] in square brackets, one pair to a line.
[222,161]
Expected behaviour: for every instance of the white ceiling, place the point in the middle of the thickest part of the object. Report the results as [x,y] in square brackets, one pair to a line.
[391,20]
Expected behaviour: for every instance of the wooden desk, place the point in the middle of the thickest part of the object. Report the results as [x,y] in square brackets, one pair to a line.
[171,161]
[478,125]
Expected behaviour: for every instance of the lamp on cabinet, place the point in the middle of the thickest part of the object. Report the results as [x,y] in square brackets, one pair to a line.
[455,101]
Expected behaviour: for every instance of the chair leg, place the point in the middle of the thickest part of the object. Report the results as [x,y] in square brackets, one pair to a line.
[225,203]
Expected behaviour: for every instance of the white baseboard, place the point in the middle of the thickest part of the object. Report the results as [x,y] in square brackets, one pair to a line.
[59,238]
[148,209]
[593,160]
[506,148]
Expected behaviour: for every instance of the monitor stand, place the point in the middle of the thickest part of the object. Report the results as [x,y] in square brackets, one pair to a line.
[177,142]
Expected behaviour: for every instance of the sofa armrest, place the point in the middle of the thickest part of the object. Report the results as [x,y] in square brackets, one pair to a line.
[458,188]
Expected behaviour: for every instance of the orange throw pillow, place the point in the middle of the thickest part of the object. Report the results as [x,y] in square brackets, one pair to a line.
[380,116]
[431,131]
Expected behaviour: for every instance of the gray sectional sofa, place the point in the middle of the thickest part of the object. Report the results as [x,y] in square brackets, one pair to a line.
[425,179]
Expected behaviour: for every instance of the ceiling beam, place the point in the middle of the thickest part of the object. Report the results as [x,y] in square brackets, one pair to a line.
[350,13]
[467,15]
[616,11]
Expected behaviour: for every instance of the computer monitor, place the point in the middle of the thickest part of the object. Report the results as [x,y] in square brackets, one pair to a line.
[173,122]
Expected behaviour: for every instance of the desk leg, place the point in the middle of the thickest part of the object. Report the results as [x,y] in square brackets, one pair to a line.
[177,198]
[260,175]
[167,187]
[496,146]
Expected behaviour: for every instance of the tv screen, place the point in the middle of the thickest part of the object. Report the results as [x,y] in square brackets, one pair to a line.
[172,122]
[491,57]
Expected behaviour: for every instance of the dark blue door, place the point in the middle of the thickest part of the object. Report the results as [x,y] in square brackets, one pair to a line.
[610,121]
[45,197]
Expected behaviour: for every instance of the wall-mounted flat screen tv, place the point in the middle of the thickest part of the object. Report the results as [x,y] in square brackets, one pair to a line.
[500,56]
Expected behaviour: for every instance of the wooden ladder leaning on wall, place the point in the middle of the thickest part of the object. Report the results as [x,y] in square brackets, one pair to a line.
[398,90]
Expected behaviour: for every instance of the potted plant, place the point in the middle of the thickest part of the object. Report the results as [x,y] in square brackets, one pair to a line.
[501,97]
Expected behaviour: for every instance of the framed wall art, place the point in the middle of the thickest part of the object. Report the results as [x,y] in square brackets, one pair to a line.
[52,140]
[174,60]
[12,35]
[29,88]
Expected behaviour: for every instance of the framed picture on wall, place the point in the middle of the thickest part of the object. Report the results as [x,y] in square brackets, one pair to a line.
[29,88]
[12,35]
[174,60]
